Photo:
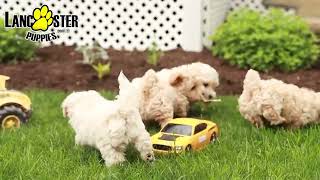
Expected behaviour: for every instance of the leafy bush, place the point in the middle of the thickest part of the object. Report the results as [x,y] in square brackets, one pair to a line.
[96,57]
[263,42]
[14,46]
[154,54]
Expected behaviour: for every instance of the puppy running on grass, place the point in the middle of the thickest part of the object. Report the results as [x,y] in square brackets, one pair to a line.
[109,125]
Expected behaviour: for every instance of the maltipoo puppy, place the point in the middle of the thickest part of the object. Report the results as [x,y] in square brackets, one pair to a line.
[174,89]
[109,125]
[272,102]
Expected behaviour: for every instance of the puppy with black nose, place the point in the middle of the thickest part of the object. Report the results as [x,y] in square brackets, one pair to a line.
[174,89]
[203,89]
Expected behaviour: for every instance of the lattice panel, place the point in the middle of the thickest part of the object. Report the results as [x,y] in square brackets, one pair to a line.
[119,24]
[253,4]
[213,15]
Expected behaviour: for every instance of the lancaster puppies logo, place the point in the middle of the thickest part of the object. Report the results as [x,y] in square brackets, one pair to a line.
[39,22]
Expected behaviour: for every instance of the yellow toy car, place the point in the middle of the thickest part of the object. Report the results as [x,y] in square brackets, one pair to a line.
[15,107]
[184,134]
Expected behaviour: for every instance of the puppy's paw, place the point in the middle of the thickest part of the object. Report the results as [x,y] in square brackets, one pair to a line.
[115,161]
[278,121]
[258,124]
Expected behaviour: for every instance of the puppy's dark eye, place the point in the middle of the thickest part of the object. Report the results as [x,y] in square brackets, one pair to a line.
[205,84]
[193,88]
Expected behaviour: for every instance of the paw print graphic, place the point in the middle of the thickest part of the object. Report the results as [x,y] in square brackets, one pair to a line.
[43,18]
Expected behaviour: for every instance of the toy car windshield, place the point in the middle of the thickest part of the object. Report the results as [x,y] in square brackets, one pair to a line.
[178,129]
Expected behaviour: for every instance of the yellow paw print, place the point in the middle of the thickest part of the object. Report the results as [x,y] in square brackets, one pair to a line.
[43,18]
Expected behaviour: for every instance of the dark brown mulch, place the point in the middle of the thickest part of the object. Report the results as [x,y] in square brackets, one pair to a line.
[57,67]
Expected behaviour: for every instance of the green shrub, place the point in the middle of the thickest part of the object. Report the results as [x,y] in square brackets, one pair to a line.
[263,42]
[13,45]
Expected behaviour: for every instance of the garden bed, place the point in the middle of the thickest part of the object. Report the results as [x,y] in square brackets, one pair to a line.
[57,67]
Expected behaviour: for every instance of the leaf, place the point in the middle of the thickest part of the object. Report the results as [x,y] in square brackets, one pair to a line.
[102,69]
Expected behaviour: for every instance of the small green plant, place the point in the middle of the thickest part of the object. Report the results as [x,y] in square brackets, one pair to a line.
[93,54]
[96,57]
[266,41]
[13,45]
[154,54]
[102,69]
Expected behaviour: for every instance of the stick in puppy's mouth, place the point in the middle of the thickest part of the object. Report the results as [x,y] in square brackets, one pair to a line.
[210,100]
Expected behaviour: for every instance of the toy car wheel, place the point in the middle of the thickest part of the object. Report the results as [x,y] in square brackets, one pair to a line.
[12,117]
[188,148]
[213,137]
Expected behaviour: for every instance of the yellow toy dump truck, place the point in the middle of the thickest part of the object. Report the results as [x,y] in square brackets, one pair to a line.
[15,107]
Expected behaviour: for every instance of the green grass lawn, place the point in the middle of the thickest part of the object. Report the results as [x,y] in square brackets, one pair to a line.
[45,149]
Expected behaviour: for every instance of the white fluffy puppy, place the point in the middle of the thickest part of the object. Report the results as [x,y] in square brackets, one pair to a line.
[109,125]
[272,102]
[174,89]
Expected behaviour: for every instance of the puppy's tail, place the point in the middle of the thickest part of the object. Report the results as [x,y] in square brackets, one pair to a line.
[127,92]
[252,80]
[128,99]
[150,83]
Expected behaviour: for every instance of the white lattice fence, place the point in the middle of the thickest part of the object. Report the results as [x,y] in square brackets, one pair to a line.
[253,4]
[213,15]
[124,24]
[135,24]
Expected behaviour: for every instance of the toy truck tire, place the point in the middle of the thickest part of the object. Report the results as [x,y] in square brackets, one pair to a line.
[188,148]
[14,114]
[213,137]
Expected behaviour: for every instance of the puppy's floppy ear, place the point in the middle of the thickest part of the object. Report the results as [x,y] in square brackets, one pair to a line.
[177,79]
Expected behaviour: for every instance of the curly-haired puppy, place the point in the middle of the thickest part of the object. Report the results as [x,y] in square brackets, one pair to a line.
[109,125]
[172,91]
[272,102]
